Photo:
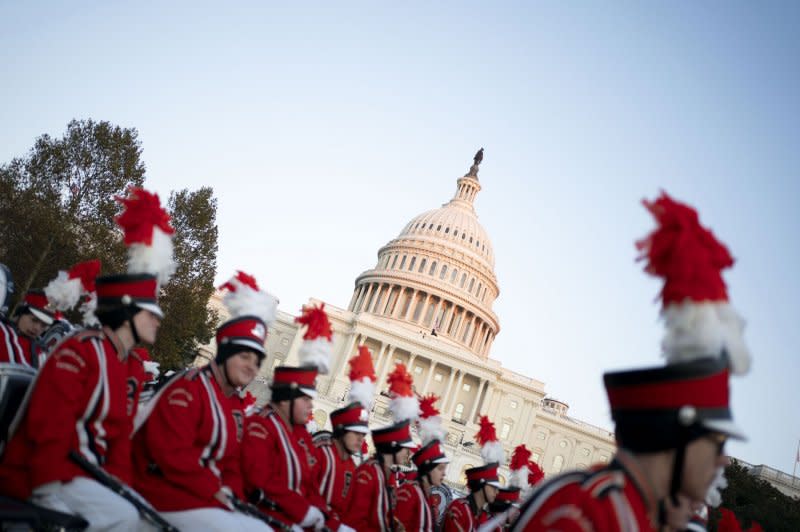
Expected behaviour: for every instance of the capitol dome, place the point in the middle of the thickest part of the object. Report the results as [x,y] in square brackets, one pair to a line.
[438,274]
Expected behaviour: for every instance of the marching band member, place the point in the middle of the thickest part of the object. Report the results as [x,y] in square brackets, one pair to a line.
[672,421]
[483,482]
[279,455]
[376,479]
[79,401]
[350,425]
[414,509]
[187,451]
[19,337]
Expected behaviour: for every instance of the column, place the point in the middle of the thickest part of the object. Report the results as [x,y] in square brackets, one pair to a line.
[366,298]
[428,378]
[398,306]
[385,370]
[411,303]
[487,401]
[378,359]
[474,408]
[356,291]
[455,394]
[341,362]
[424,308]
[436,311]
[446,396]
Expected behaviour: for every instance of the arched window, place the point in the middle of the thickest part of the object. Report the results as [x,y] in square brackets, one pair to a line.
[394,261]
[454,276]
[459,411]
[471,284]
[443,273]
[558,464]
[411,266]
[463,279]
[478,291]
[402,263]
[433,268]
[422,265]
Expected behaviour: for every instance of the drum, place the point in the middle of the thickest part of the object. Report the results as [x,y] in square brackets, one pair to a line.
[441,497]
[15,379]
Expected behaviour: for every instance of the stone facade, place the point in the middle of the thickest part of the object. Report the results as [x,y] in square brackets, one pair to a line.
[428,303]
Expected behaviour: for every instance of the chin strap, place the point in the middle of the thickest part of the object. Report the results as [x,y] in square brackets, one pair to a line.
[130,315]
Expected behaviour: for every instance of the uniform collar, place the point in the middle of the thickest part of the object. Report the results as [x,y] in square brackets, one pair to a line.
[112,337]
[628,463]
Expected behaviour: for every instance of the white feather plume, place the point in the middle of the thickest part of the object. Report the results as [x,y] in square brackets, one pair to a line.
[317,353]
[714,494]
[155,259]
[62,292]
[430,429]
[244,301]
[404,408]
[698,330]
[519,478]
[492,451]
[363,391]
[151,366]
[87,309]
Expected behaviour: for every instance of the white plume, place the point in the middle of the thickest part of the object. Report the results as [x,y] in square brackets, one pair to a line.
[317,353]
[492,451]
[155,259]
[699,330]
[363,391]
[62,292]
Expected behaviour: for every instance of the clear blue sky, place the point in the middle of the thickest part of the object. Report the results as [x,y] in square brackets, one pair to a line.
[324,128]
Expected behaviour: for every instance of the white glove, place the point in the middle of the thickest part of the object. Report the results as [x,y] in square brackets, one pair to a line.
[344,528]
[313,518]
[151,366]
[47,495]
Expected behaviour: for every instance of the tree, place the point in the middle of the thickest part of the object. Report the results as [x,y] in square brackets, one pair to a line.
[189,322]
[57,208]
[57,203]
[753,499]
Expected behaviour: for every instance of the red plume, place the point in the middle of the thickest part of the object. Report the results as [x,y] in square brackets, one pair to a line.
[728,522]
[400,382]
[87,272]
[364,447]
[142,212]
[361,365]
[520,457]
[486,433]
[684,253]
[426,406]
[243,278]
[317,322]
[535,473]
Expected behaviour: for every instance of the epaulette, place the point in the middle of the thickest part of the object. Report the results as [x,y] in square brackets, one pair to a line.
[192,374]
[600,483]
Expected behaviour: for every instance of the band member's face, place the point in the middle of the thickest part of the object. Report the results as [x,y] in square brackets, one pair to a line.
[403,455]
[30,325]
[147,325]
[491,493]
[703,456]
[352,441]
[302,408]
[242,368]
[437,474]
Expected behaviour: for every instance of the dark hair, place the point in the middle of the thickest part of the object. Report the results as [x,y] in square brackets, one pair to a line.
[114,316]
[229,349]
[475,485]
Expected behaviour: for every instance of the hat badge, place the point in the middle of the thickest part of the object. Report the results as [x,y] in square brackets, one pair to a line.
[259,331]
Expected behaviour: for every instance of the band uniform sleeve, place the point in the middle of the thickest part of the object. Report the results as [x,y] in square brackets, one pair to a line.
[171,432]
[408,511]
[265,468]
[364,490]
[61,392]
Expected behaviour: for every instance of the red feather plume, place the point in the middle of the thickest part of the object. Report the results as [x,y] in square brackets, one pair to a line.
[728,522]
[486,433]
[535,473]
[249,399]
[520,457]
[142,212]
[426,406]
[244,278]
[684,253]
[361,365]
[400,381]
[87,272]
[317,321]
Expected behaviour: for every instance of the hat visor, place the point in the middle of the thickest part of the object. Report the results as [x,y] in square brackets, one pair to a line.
[409,444]
[495,483]
[41,315]
[441,460]
[361,429]
[725,426]
[150,307]
[311,392]
[250,344]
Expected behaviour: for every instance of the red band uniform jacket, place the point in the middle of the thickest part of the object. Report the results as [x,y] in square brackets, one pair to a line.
[280,462]
[79,402]
[189,446]
[375,500]
[335,480]
[413,508]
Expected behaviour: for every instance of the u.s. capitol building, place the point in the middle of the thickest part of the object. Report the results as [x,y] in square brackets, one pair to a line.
[428,303]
